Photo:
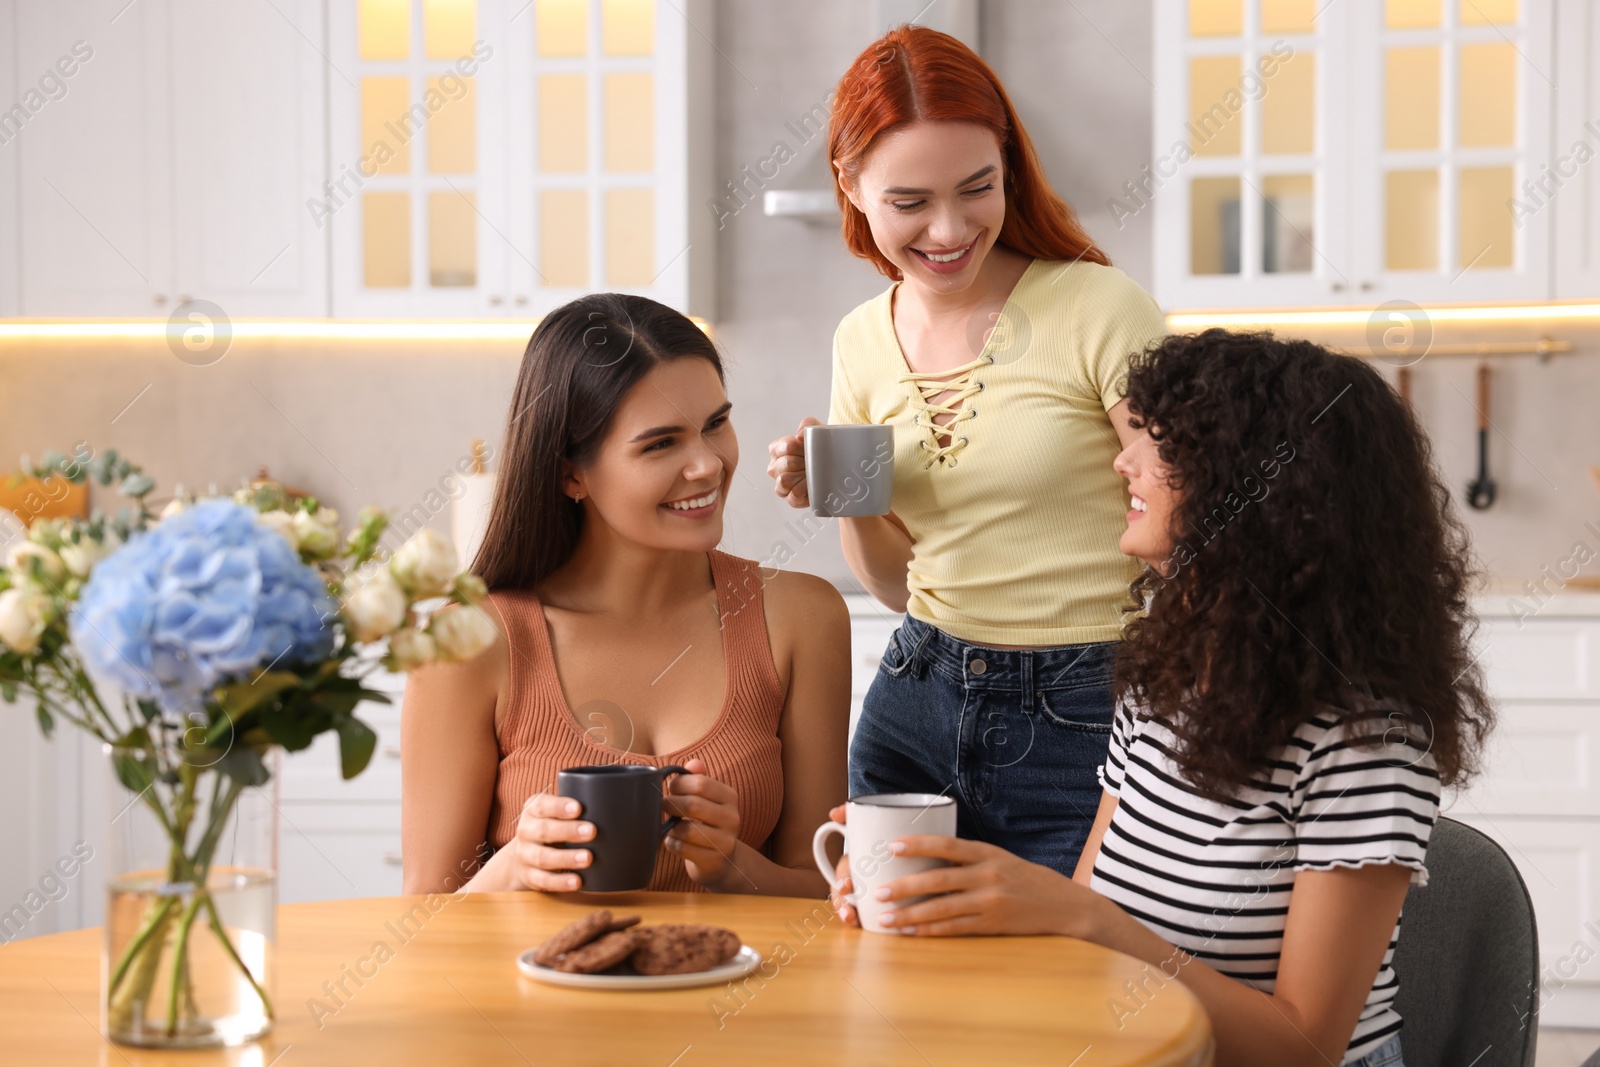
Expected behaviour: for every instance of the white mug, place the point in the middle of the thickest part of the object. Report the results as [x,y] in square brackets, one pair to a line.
[871,823]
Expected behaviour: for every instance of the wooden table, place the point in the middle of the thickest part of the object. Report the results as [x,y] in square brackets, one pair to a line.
[444,989]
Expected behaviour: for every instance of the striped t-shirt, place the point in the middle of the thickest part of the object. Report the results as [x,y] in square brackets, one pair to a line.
[1214,878]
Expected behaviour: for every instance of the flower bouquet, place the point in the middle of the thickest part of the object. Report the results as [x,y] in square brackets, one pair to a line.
[195,644]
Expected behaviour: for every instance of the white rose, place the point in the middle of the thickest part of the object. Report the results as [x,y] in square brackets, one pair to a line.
[17,559]
[80,558]
[174,506]
[317,534]
[411,648]
[375,608]
[23,617]
[283,523]
[461,632]
[425,565]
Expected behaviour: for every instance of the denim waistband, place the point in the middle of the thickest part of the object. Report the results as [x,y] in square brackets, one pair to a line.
[1004,669]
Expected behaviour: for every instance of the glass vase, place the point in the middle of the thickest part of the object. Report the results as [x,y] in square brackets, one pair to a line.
[189,932]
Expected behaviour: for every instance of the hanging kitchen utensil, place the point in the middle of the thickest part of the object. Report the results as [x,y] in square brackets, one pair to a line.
[1480,491]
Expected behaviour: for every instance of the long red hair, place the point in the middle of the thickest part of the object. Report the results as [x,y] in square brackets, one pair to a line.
[913,73]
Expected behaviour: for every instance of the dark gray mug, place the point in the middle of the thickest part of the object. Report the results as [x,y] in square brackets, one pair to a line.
[623,801]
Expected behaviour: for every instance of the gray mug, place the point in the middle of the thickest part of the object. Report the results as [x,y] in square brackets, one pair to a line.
[849,469]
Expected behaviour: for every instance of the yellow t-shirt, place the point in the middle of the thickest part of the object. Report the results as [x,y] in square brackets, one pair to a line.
[1015,510]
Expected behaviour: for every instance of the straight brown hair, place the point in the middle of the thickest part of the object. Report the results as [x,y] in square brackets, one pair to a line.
[579,364]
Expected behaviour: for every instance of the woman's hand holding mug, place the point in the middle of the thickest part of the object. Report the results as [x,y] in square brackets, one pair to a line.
[788,465]
[533,858]
[709,833]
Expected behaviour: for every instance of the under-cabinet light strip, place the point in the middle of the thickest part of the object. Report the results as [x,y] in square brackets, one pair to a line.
[397,330]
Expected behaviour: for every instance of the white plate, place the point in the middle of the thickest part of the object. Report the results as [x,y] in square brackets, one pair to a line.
[744,961]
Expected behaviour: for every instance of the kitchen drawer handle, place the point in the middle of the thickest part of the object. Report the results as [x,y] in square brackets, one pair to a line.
[392,859]
[392,751]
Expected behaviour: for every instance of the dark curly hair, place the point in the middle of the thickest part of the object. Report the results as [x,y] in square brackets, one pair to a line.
[1317,564]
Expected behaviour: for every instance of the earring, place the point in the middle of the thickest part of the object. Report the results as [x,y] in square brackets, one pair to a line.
[577,496]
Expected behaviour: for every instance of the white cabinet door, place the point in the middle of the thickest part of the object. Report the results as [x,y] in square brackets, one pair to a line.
[248,90]
[338,851]
[175,162]
[10,264]
[554,158]
[1568,190]
[1349,153]
[1451,111]
[416,203]
[1540,659]
[95,188]
[1248,184]
[1542,759]
[1559,860]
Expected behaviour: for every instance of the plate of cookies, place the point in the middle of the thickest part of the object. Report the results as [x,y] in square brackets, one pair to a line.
[605,951]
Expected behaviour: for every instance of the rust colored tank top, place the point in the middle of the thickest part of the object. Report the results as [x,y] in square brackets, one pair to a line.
[538,734]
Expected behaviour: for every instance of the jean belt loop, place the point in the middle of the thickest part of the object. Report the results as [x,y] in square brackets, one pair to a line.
[919,662]
[1028,699]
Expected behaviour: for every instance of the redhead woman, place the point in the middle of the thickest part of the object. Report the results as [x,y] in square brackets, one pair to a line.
[626,636]
[998,356]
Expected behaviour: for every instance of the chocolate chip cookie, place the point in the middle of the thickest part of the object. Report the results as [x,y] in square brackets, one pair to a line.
[596,956]
[573,935]
[682,948]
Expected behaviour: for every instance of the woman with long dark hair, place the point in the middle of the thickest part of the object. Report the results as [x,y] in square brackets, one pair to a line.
[1296,686]
[997,355]
[626,636]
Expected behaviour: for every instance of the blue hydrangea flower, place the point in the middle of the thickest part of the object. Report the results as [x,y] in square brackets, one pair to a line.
[207,596]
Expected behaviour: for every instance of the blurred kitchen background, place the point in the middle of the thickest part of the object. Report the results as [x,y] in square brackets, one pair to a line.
[313,236]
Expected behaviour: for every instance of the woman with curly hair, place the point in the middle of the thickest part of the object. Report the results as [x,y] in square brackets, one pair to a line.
[997,353]
[1295,687]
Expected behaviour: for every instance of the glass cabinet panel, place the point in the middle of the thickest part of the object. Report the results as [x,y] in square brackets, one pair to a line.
[562,27]
[597,157]
[1289,108]
[1251,109]
[1213,125]
[1411,225]
[1450,100]
[1411,98]
[385,28]
[449,27]
[628,27]
[1214,226]
[563,123]
[564,237]
[1488,96]
[414,93]
[1216,18]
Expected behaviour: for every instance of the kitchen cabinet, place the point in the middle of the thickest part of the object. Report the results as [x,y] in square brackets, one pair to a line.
[1568,187]
[494,158]
[1539,793]
[170,157]
[870,626]
[9,219]
[1328,154]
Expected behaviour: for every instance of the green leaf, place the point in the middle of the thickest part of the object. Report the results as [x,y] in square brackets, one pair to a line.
[293,731]
[46,722]
[244,765]
[136,773]
[337,705]
[356,745]
[240,698]
[8,690]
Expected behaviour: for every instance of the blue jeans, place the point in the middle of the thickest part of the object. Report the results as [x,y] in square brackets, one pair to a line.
[1015,735]
[1385,1055]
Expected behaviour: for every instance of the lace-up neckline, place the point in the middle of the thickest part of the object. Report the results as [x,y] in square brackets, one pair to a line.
[930,384]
